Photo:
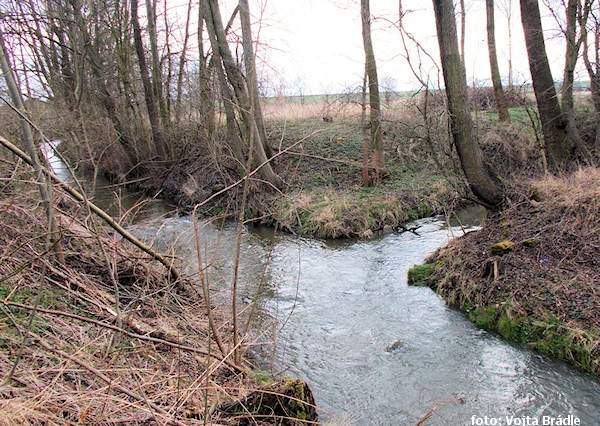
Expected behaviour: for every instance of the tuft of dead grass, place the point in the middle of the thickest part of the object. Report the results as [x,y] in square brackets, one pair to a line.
[580,188]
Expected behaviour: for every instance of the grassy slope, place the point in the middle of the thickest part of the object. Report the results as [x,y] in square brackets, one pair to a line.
[325,197]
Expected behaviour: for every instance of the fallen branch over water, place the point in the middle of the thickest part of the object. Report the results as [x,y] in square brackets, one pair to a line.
[173,272]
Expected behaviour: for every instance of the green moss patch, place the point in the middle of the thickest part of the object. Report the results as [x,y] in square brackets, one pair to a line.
[422,275]
[486,317]
[287,402]
[550,336]
[538,284]
[502,248]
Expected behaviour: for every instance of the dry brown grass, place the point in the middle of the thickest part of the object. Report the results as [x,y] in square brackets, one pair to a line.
[581,188]
[337,108]
[552,275]
[87,357]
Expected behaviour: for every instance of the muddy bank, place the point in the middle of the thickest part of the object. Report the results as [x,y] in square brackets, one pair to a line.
[532,273]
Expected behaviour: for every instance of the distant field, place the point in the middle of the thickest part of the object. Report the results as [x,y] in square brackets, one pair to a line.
[334,106]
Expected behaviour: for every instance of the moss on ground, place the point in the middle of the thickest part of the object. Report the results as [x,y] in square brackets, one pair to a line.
[422,275]
[284,402]
[548,336]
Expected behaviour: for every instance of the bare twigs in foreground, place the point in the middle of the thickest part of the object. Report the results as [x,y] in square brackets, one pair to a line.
[168,263]
[148,338]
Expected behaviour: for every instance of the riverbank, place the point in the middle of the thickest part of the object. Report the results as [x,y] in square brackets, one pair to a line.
[106,335]
[531,273]
[319,164]
[322,194]
[325,197]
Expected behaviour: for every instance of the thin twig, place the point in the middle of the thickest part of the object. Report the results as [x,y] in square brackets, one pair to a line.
[130,334]
[175,275]
[103,377]
[256,170]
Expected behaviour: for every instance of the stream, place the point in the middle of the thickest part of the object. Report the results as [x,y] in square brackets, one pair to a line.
[374,350]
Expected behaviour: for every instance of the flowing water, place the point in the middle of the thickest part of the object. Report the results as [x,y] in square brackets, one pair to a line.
[374,350]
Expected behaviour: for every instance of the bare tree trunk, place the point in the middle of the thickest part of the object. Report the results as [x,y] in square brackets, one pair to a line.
[94,58]
[571,54]
[252,80]
[235,77]
[182,60]
[554,126]
[374,101]
[366,139]
[233,138]
[506,7]
[157,82]
[501,104]
[571,57]
[43,187]
[166,97]
[62,55]
[463,30]
[151,105]
[484,184]
[591,59]
[207,98]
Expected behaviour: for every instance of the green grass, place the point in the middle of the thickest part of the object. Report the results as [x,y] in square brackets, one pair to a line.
[518,115]
[330,212]
[325,197]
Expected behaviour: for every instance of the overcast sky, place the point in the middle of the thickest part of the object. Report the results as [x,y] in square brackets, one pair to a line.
[317,43]
[315,46]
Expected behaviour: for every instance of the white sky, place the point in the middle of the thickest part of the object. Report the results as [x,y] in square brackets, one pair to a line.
[315,46]
[319,42]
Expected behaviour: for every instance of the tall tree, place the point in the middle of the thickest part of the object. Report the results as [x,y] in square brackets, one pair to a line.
[156,71]
[43,187]
[183,59]
[463,29]
[571,53]
[506,6]
[149,94]
[95,62]
[573,42]
[251,77]
[240,89]
[205,86]
[554,127]
[591,59]
[501,103]
[484,184]
[374,100]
